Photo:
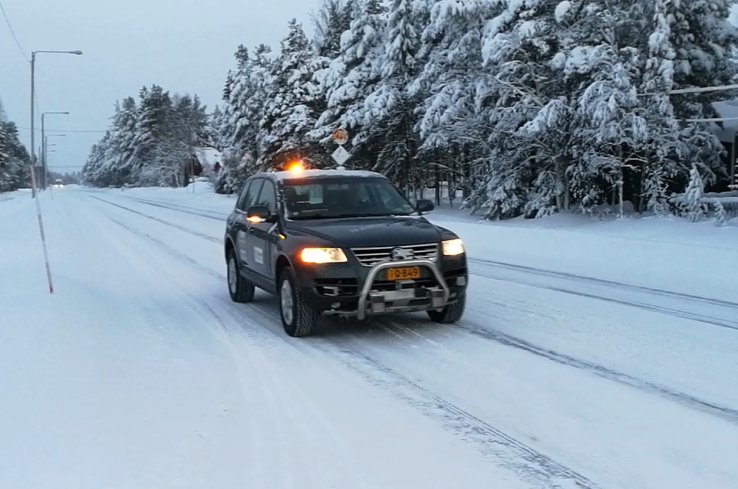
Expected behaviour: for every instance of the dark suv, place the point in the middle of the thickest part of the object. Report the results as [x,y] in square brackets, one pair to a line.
[339,242]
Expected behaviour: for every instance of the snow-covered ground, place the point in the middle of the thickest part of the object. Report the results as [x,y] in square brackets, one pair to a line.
[594,354]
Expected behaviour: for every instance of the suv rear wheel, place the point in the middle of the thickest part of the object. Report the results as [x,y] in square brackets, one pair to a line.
[241,290]
[298,318]
[451,313]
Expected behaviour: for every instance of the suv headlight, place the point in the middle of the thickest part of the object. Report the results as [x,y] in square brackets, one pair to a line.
[453,247]
[323,255]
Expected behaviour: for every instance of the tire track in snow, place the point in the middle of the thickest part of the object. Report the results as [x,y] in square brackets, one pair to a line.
[582,278]
[506,450]
[217,216]
[726,413]
[573,279]
[162,221]
[285,418]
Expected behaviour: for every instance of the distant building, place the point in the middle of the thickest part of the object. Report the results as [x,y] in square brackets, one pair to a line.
[206,161]
[727,131]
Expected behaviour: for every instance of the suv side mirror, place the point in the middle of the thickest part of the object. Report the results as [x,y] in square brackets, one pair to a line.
[259,213]
[424,205]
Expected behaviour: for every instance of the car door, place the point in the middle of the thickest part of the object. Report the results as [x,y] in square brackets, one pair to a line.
[263,235]
[243,225]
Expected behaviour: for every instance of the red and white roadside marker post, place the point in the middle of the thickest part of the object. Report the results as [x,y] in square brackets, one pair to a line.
[41,230]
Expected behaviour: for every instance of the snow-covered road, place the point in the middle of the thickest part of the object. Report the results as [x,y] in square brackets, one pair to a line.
[141,373]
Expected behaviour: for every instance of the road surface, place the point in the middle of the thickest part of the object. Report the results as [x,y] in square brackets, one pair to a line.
[141,373]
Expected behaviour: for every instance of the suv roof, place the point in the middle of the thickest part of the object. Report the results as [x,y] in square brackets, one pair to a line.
[288,175]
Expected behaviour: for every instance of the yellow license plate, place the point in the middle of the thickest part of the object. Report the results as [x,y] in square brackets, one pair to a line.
[406,273]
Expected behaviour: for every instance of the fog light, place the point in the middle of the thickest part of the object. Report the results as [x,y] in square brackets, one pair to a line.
[377,302]
[461,281]
[437,299]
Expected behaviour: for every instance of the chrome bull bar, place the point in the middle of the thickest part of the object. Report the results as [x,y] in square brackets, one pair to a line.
[369,282]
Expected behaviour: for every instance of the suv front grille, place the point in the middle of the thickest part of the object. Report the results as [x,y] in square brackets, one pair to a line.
[371,256]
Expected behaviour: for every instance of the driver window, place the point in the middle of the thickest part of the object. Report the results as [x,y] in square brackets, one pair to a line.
[242,198]
[253,192]
[268,197]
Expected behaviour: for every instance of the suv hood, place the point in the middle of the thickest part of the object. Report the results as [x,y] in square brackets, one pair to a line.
[369,232]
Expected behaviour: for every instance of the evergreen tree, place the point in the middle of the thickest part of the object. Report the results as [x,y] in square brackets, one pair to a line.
[390,109]
[332,20]
[14,159]
[350,78]
[150,143]
[721,217]
[703,43]
[452,83]
[693,196]
[240,130]
[290,109]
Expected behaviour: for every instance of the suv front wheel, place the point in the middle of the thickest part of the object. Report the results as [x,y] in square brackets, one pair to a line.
[298,318]
[451,313]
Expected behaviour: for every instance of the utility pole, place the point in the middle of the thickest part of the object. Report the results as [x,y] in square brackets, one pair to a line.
[33,117]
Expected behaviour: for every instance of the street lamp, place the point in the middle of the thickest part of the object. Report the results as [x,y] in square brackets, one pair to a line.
[33,98]
[43,143]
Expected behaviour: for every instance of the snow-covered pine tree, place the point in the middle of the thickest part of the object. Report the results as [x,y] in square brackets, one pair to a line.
[608,128]
[661,150]
[349,79]
[331,21]
[14,159]
[121,147]
[390,109]
[95,170]
[695,208]
[453,85]
[151,129]
[5,172]
[562,106]
[530,108]
[239,132]
[721,217]
[290,109]
[215,123]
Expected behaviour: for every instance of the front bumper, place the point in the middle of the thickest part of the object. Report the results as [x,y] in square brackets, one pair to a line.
[357,291]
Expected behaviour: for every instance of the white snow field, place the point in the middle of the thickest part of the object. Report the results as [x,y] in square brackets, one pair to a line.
[592,355]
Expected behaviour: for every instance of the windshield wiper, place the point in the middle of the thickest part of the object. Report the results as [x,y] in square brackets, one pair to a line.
[371,214]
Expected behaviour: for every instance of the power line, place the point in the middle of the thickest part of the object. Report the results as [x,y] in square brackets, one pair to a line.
[62,130]
[12,32]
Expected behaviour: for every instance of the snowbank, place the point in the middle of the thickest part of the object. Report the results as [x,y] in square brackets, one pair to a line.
[665,253]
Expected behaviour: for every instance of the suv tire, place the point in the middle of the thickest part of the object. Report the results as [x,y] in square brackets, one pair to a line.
[241,290]
[451,313]
[298,318]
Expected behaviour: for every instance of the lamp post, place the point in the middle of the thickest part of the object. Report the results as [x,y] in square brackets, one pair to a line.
[46,147]
[33,100]
[44,178]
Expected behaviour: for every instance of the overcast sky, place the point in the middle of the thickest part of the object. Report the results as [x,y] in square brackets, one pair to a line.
[186,46]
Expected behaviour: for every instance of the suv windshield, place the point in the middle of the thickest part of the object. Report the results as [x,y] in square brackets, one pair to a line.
[343,197]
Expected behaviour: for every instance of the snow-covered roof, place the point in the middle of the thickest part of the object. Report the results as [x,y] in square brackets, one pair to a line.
[208,157]
[290,175]
[729,110]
